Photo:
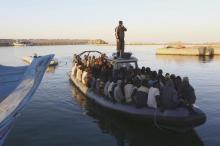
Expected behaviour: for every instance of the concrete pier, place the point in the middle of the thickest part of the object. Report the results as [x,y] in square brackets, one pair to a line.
[190,51]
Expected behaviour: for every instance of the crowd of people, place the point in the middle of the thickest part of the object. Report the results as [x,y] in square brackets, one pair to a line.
[133,86]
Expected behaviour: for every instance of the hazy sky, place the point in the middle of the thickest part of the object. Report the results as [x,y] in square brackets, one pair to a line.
[146,20]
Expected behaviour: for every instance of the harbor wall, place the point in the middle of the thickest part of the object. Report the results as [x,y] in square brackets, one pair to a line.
[190,51]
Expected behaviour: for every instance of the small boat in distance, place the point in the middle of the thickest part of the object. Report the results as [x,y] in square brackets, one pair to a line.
[18,44]
[177,119]
[17,85]
[29,59]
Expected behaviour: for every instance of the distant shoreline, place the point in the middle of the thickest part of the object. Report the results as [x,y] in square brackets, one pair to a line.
[48,42]
[53,42]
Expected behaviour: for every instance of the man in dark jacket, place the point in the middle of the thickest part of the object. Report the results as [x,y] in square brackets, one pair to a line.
[187,93]
[120,35]
[168,96]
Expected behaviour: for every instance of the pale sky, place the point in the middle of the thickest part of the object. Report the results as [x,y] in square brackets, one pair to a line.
[146,20]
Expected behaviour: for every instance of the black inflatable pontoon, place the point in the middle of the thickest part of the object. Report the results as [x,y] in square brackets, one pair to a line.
[179,118]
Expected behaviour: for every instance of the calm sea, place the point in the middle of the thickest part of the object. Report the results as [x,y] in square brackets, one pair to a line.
[59,115]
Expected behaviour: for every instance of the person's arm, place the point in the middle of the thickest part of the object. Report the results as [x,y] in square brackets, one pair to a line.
[124,28]
[116,33]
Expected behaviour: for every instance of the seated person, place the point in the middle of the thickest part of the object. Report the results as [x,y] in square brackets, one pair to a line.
[111,90]
[147,73]
[79,73]
[74,70]
[140,96]
[85,77]
[144,87]
[143,76]
[118,93]
[160,77]
[93,84]
[168,96]
[129,90]
[101,88]
[187,92]
[153,94]
[106,87]
[104,74]
[97,86]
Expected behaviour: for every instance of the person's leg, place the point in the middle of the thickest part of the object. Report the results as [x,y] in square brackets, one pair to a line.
[122,47]
[118,47]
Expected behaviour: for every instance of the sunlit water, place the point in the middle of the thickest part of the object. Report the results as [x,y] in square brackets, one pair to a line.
[59,115]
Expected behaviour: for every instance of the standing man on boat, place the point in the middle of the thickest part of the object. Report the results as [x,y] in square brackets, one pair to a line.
[120,38]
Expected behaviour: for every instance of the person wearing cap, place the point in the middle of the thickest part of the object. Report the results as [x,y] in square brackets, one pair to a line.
[120,35]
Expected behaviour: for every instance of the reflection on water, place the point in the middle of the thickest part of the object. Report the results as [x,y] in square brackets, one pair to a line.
[132,133]
[205,59]
[182,59]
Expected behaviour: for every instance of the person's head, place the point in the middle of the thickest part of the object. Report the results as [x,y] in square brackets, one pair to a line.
[145,83]
[178,79]
[185,80]
[120,22]
[148,70]
[154,75]
[160,72]
[138,71]
[156,84]
[119,82]
[167,76]
[172,77]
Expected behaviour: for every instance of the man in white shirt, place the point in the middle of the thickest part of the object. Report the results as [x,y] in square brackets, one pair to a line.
[153,95]
[118,93]
[129,89]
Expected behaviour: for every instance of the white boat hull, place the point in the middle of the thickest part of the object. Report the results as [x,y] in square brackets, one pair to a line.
[17,85]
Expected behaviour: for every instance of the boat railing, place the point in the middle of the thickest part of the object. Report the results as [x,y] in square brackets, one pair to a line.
[92,51]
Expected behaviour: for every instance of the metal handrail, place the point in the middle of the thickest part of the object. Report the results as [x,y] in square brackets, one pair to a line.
[89,52]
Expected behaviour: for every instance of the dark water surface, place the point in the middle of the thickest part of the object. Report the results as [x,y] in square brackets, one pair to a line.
[59,115]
